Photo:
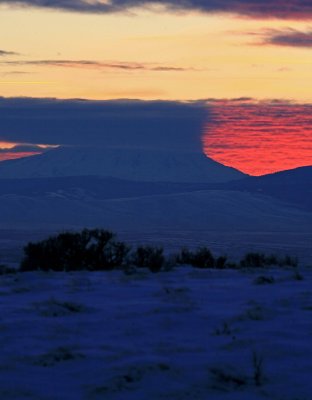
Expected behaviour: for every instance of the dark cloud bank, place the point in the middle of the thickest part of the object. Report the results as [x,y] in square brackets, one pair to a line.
[164,125]
[117,123]
[290,9]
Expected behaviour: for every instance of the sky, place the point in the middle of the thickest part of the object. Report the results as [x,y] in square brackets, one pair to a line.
[211,51]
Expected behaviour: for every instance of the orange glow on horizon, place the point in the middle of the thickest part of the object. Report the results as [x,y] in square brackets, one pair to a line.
[7,145]
[260,138]
[7,151]
[13,156]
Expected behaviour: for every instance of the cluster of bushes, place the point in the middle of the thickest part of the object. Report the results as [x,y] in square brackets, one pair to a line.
[260,260]
[201,258]
[148,257]
[92,250]
[4,270]
[98,250]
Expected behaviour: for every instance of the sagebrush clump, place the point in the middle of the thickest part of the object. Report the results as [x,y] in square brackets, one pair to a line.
[93,250]
[148,257]
[260,260]
[200,258]
[99,250]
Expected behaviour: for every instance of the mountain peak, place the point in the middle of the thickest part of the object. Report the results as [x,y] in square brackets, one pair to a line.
[125,163]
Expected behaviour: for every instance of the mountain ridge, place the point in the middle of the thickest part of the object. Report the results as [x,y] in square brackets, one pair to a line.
[293,186]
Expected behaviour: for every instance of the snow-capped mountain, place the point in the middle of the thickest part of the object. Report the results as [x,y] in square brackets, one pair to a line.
[123,163]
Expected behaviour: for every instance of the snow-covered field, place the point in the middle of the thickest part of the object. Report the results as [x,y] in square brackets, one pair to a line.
[183,334]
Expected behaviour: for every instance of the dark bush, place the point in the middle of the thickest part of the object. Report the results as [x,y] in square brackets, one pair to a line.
[148,257]
[4,270]
[260,260]
[289,261]
[184,257]
[253,260]
[232,265]
[264,280]
[200,258]
[221,262]
[90,249]
[98,249]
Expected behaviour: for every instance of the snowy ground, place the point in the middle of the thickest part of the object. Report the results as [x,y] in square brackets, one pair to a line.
[184,334]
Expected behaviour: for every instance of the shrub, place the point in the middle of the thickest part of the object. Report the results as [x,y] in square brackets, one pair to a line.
[4,270]
[289,261]
[297,276]
[263,280]
[221,262]
[232,265]
[258,374]
[148,257]
[98,249]
[259,260]
[201,258]
[253,260]
[90,249]
[58,355]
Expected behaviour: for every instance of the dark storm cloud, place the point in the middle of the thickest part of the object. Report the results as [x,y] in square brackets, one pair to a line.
[116,65]
[290,9]
[118,123]
[289,37]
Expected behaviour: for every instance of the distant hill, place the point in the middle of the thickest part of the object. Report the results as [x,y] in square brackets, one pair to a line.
[292,186]
[235,212]
[215,210]
[84,187]
[122,163]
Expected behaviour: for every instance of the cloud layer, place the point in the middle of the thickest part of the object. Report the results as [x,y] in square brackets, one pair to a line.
[260,138]
[120,123]
[255,137]
[285,9]
[91,64]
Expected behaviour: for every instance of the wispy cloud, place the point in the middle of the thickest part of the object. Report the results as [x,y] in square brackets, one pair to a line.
[284,9]
[91,64]
[4,53]
[8,73]
[288,37]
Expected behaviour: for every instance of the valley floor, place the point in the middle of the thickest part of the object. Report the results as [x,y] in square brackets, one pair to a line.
[183,334]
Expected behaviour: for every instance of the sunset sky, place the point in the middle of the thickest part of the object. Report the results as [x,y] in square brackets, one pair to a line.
[179,51]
